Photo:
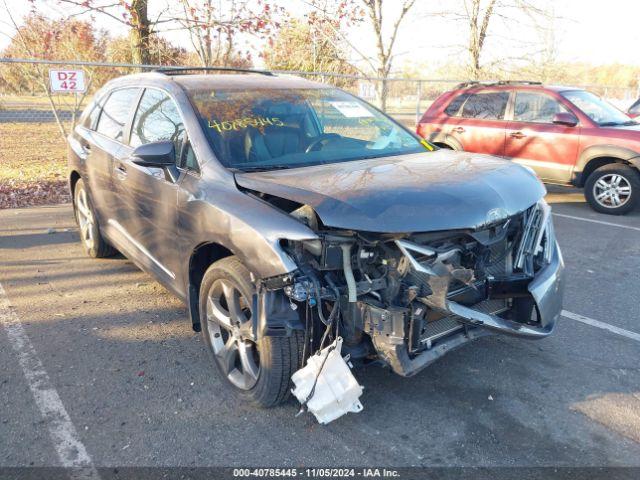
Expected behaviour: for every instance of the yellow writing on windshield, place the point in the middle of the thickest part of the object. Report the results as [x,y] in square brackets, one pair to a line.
[242,123]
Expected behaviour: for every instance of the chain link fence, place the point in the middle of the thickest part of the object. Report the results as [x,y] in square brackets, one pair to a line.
[25,95]
[34,121]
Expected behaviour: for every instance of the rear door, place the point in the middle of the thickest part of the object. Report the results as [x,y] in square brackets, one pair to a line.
[103,145]
[479,126]
[149,196]
[534,140]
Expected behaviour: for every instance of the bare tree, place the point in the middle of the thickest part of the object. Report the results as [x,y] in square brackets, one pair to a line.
[215,27]
[376,15]
[140,30]
[133,13]
[385,49]
[478,26]
[479,16]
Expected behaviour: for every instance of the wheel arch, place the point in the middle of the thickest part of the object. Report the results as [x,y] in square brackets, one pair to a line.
[74,176]
[201,258]
[597,156]
[445,141]
[443,145]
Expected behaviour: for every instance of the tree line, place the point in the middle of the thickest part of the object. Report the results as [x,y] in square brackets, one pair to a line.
[312,38]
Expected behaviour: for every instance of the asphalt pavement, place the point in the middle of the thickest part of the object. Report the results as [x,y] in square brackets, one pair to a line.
[102,343]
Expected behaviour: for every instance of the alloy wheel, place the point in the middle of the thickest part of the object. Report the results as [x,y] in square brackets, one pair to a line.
[230,332]
[85,218]
[612,190]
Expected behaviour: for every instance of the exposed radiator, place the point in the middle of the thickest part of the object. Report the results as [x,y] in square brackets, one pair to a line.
[432,331]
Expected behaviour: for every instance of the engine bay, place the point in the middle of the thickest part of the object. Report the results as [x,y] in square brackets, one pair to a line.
[396,297]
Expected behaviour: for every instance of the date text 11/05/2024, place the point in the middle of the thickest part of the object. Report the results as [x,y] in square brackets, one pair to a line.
[316,472]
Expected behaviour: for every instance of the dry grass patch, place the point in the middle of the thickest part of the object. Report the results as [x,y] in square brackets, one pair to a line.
[33,164]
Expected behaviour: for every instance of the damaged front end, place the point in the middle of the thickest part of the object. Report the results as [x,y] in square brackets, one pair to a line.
[407,299]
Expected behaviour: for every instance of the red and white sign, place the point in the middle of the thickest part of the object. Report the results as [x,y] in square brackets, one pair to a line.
[71,81]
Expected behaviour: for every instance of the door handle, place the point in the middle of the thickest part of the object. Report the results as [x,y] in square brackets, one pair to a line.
[458,130]
[517,135]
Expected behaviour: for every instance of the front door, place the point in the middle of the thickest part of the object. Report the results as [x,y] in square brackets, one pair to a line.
[534,140]
[149,196]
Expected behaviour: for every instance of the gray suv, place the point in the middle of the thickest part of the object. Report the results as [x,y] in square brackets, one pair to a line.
[288,213]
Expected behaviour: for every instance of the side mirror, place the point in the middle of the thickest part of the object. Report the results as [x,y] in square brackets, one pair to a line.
[565,118]
[156,154]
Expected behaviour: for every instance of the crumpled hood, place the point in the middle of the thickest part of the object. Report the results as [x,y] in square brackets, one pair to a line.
[441,190]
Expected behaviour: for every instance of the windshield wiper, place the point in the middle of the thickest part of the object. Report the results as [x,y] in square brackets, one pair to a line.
[619,124]
[261,168]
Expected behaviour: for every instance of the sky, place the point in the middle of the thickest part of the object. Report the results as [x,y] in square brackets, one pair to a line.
[589,31]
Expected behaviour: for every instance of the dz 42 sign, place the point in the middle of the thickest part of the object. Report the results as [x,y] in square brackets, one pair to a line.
[71,81]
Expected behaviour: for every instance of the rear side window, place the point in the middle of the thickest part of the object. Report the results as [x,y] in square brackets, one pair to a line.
[635,108]
[453,109]
[486,105]
[156,120]
[536,108]
[115,113]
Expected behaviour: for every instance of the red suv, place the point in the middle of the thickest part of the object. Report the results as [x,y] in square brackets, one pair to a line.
[566,135]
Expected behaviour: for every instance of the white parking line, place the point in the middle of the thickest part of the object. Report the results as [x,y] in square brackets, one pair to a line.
[605,326]
[71,451]
[600,222]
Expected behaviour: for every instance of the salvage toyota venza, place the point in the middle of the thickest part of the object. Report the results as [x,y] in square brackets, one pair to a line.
[296,220]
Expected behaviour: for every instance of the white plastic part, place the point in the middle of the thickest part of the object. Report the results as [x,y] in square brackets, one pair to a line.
[337,390]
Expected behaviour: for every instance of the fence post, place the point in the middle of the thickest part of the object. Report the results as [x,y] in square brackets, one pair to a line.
[418,100]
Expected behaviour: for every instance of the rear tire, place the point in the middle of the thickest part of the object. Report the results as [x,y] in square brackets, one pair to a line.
[92,240]
[257,371]
[613,189]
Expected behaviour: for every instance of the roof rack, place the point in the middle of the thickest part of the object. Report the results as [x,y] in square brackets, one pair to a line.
[474,83]
[183,70]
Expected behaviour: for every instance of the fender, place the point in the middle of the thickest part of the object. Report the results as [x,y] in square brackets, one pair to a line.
[603,151]
[635,161]
[246,227]
[599,151]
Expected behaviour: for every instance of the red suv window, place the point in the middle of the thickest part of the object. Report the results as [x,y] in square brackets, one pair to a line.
[486,105]
[536,108]
[453,109]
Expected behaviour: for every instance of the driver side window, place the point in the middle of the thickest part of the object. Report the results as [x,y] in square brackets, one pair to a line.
[157,119]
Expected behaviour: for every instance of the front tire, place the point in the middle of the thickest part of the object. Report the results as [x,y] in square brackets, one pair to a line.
[258,371]
[92,240]
[613,189]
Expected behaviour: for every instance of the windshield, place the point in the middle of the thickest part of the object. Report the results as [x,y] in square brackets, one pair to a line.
[601,112]
[269,128]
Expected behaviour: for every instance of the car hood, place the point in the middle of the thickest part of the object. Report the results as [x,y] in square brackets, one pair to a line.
[441,190]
